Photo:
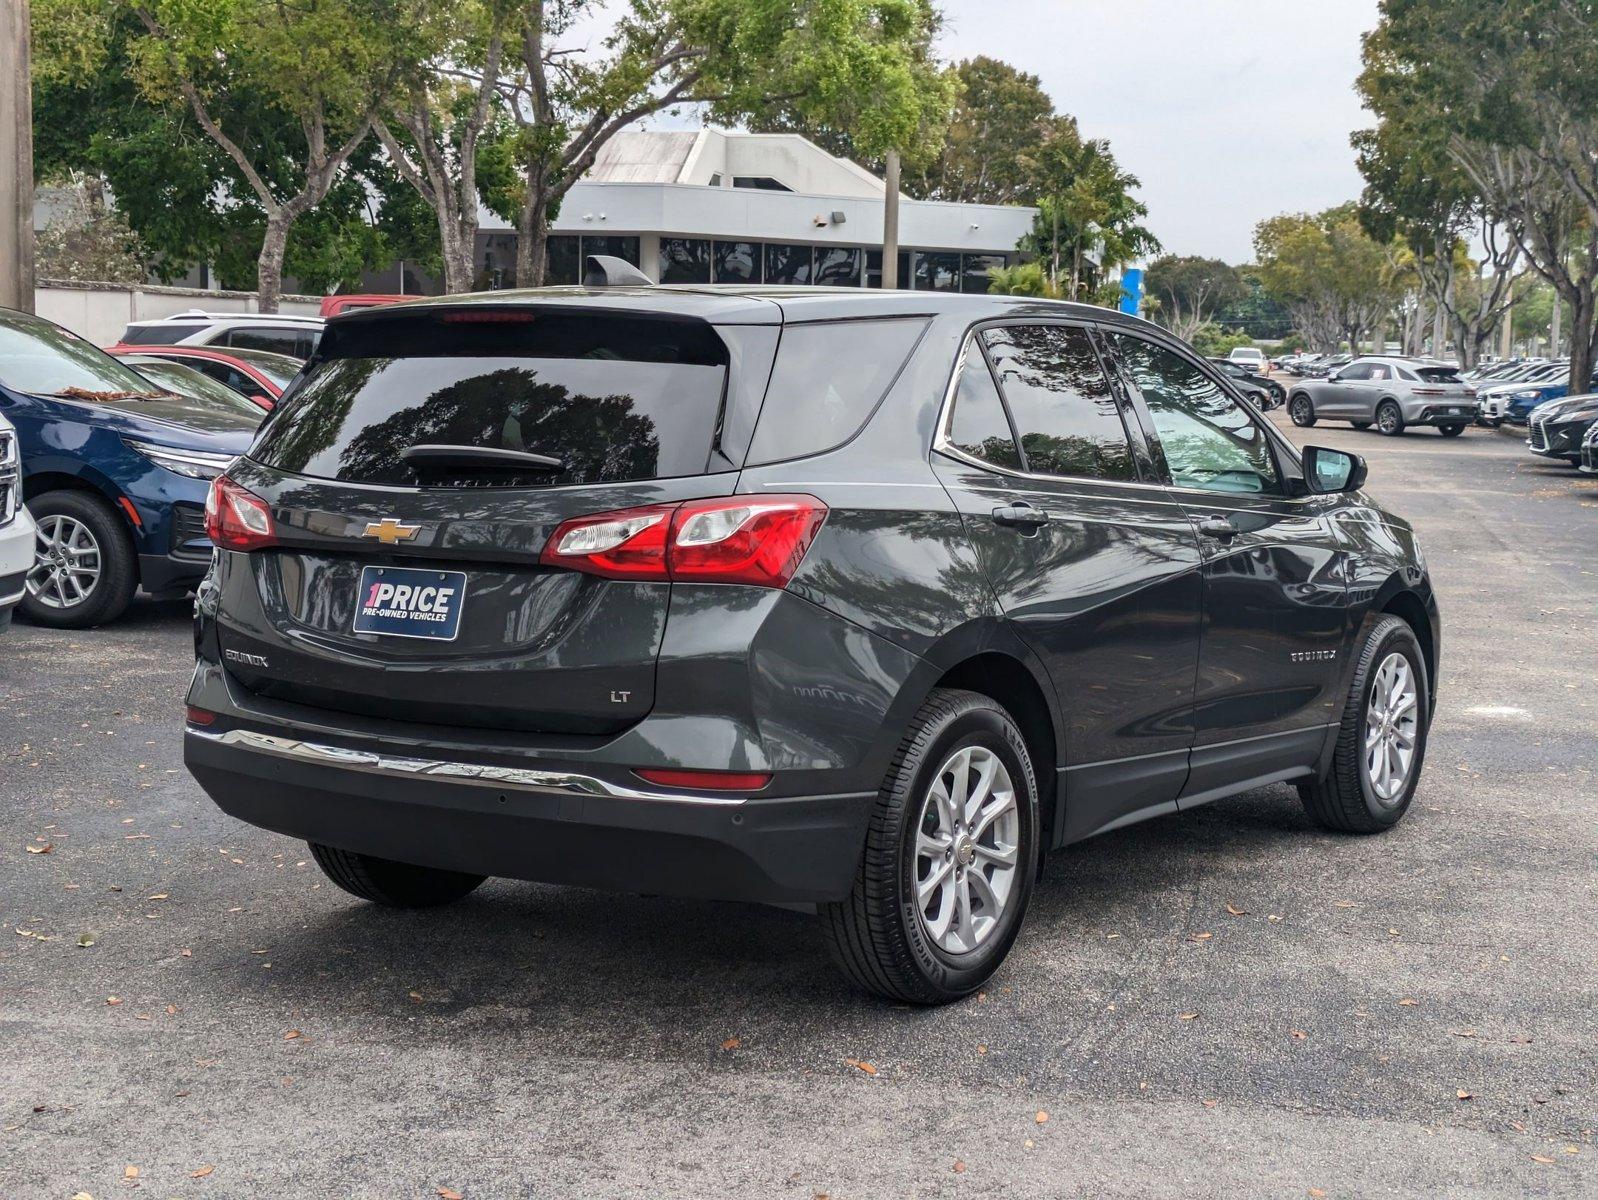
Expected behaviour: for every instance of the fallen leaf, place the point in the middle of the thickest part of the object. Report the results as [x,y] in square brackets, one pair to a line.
[1202,937]
[85,939]
[1465,1033]
[1409,1002]
[448,1193]
[158,896]
[1299,1034]
[291,1035]
[732,1043]
[1186,1016]
[1209,1103]
[1346,904]
[1317,1192]
[1041,1118]
[130,1172]
[858,1065]
[416,997]
[982,1049]
[113,999]
[171,1010]
[1463,1094]
[1541,1158]
[44,849]
[959,1166]
[1235,910]
[202,1172]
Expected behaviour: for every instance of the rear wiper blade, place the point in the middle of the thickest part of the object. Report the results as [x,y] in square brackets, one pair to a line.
[487,458]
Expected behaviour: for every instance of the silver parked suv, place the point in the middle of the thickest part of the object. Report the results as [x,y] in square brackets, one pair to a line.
[1389,393]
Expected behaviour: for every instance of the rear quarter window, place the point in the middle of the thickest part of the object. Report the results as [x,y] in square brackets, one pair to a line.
[828,379]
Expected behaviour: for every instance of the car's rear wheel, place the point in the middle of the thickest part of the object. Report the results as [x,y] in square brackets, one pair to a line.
[1389,418]
[1301,410]
[1381,743]
[950,857]
[84,571]
[1450,430]
[392,884]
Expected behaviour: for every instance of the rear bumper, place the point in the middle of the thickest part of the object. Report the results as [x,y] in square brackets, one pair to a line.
[546,823]
[1460,412]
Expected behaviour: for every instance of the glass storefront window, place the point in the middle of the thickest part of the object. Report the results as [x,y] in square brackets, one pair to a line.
[787,264]
[564,261]
[617,246]
[974,271]
[735,262]
[838,266]
[684,260]
[937,271]
[874,268]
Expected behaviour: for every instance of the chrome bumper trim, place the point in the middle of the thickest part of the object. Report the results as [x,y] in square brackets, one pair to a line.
[473,774]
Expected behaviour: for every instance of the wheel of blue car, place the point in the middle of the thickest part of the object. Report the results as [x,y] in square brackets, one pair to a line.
[1389,418]
[84,570]
[1301,410]
[950,857]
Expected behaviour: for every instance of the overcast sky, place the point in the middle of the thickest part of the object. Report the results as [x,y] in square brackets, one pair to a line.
[1229,111]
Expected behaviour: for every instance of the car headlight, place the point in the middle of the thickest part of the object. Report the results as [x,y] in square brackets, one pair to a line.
[1527,395]
[196,464]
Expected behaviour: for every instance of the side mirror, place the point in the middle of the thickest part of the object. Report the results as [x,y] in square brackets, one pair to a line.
[1327,472]
[1333,376]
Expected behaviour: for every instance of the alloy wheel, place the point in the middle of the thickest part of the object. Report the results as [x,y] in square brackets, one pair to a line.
[1392,726]
[967,849]
[1388,419]
[66,563]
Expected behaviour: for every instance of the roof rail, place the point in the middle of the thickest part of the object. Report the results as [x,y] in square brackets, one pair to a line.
[606,270]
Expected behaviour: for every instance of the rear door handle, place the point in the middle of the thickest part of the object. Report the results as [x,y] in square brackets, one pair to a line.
[1020,515]
[1218,528]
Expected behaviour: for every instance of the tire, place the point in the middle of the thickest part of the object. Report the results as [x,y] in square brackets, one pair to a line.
[81,529]
[1450,430]
[1302,411]
[881,936]
[392,884]
[1348,798]
[1360,425]
[1389,419]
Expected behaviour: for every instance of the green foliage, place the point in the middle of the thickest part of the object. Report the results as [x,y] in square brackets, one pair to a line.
[1191,289]
[1023,279]
[1085,202]
[1000,120]
[1330,274]
[1212,341]
[85,240]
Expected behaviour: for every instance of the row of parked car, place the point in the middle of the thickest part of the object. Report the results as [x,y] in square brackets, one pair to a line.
[119,447]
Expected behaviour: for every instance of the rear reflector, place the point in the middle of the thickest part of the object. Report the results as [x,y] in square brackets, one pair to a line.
[706,781]
[236,519]
[195,715]
[757,540]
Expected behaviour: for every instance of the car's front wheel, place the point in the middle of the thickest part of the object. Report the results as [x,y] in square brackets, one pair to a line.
[950,857]
[1381,743]
[1302,411]
[84,571]
[1389,418]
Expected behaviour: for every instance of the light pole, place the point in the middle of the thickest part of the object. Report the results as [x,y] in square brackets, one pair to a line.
[890,224]
[16,159]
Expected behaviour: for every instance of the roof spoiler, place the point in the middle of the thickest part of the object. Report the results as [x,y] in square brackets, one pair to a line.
[605,270]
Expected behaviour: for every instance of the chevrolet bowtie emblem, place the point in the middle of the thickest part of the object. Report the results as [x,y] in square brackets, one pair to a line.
[389,531]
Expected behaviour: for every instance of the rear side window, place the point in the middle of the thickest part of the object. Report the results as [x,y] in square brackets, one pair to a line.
[298,343]
[1060,402]
[1438,374]
[979,427]
[611,398]
[166,333]
[827,380]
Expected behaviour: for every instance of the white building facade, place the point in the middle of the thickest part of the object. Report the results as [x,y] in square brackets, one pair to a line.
[725,207]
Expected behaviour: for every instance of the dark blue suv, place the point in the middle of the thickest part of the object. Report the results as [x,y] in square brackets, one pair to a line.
[115,471]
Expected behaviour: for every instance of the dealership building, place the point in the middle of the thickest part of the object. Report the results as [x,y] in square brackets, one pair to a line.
[714,206]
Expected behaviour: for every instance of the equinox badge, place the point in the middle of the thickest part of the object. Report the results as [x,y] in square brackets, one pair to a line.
[389,531]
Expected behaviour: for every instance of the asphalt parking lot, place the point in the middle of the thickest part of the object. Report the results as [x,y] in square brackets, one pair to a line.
[1223,1003]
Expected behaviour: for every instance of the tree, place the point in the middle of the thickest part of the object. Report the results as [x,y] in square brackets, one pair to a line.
[1510,84]
[1333,277]
[1001,119]
[251,71]
[86,240]
[1192,290]
[1417,193]
[1085,204]
[1023,279]
[860,65]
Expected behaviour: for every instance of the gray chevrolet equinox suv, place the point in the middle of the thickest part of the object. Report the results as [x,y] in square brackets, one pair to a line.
[852,600]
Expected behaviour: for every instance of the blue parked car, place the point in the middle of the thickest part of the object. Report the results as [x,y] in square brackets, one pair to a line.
[1533,396]
[115,470]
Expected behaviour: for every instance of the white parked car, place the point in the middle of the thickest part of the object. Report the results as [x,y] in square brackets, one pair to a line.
[16,526]
[1251,357]
[295,336]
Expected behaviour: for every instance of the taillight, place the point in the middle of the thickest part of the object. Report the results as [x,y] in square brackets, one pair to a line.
[758,540]
[236,519]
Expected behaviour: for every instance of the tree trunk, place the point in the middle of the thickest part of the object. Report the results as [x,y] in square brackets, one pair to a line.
[269,267]
[1583,341]
[532,238]
[1439,332]
[1054,249]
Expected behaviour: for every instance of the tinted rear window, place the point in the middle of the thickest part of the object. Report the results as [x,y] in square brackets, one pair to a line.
[167,333]
[828,379]
[1438,374]
[613,398]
